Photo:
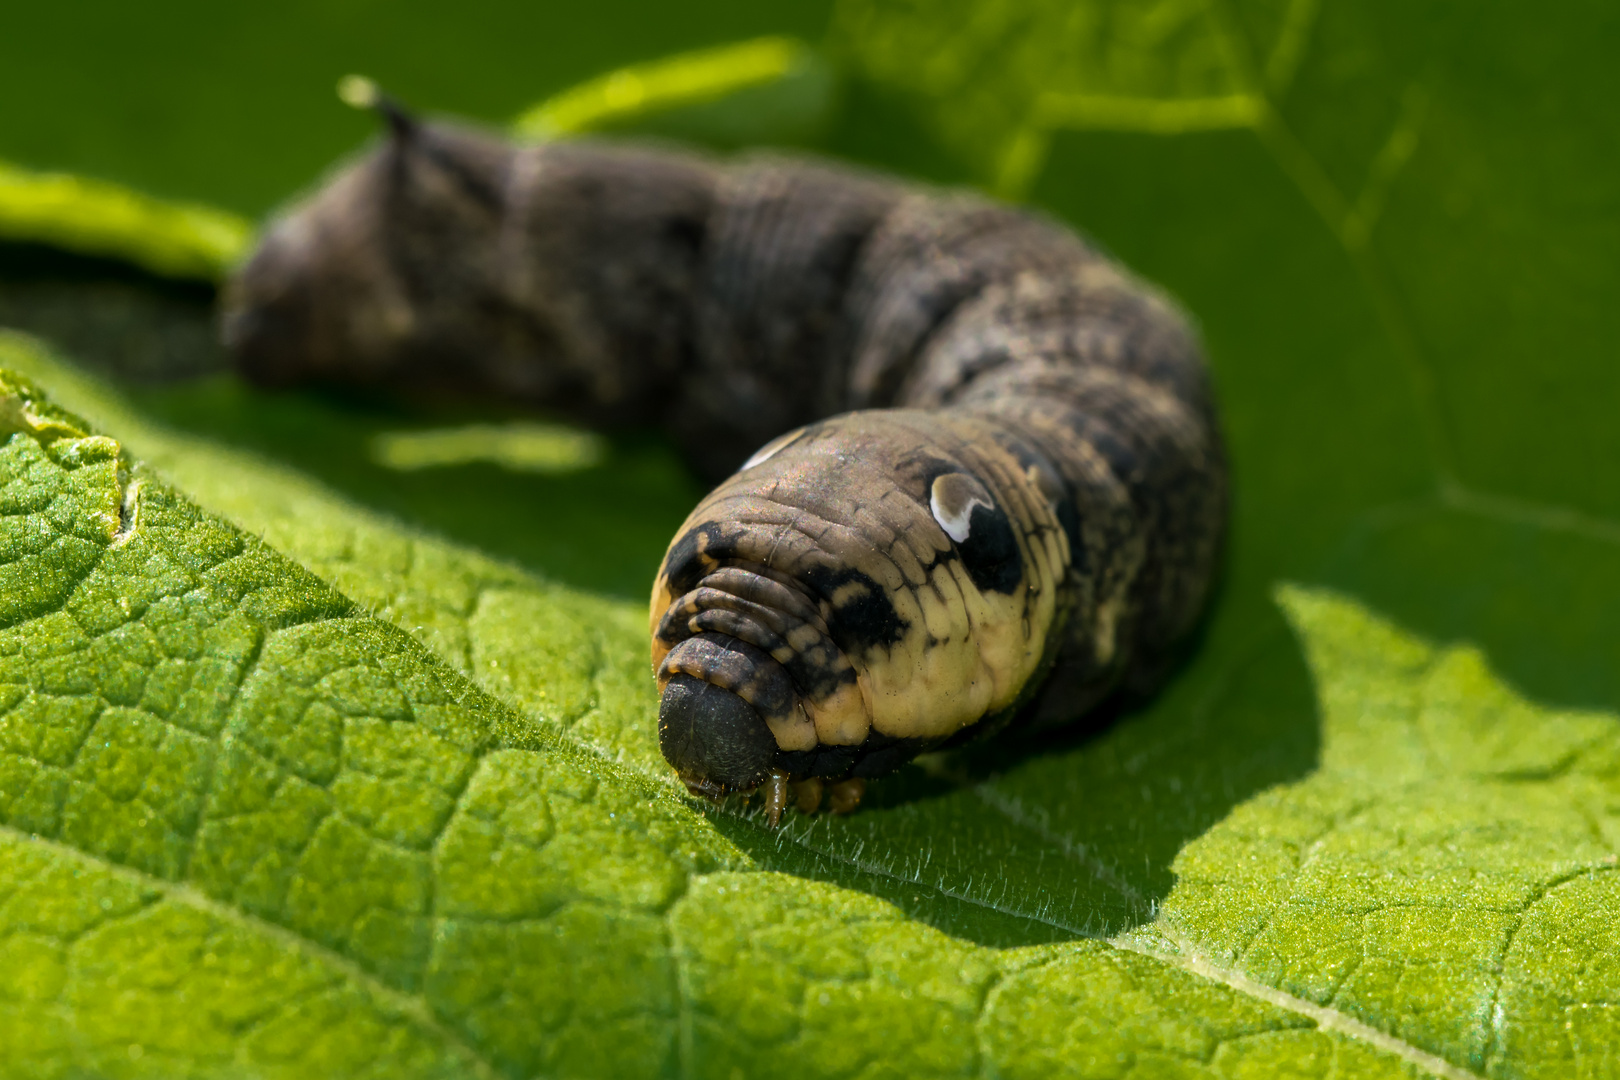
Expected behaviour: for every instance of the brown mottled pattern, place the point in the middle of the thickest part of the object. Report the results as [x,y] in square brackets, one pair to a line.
[1024,513]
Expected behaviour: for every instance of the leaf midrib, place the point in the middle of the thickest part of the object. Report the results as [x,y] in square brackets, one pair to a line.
[1187,957]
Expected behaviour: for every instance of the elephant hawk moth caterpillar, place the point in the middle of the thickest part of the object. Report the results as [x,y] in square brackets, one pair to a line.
[1001,491]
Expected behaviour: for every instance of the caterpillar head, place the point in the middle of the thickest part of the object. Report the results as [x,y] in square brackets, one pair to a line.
[386,272]
[861,590]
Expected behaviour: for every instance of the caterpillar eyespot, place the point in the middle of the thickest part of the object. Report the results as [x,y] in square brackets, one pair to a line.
[953,498]
[766,452]
[1002,491]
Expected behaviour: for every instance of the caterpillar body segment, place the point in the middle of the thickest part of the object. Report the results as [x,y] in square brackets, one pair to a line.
[972,475]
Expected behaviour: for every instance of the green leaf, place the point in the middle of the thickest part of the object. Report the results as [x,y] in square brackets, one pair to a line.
[1393,225]
[1447,874]
[236,108]
[1400,263]
[770,89]
[572,659]
[99,218]
[213,762]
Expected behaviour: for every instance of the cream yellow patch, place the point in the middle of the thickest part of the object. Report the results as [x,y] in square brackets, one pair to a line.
[943,613]
[805,637]
[842,719]
[970,653]
[797,732]
[1107,626]
[662,598]
[1008,648]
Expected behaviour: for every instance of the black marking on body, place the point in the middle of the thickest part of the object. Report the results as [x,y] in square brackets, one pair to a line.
[861,615]
[1069,519]
[698,552]
[819,675]
[990,553]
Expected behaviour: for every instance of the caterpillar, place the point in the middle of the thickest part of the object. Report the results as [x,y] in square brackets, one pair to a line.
[973,477]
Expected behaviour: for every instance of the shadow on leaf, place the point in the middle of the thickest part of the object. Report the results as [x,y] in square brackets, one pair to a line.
[1075,835]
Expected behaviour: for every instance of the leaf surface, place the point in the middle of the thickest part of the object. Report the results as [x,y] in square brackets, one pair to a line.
[215,761]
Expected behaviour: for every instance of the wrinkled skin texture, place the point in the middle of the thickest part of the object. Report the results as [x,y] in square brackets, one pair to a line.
[1001,491]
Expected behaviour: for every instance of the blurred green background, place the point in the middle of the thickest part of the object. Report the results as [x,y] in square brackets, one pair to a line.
[234,105]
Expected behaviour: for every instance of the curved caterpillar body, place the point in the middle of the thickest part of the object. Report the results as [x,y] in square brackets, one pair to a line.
[1022,511]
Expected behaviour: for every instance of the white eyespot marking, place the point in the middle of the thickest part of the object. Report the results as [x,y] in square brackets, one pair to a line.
[770,450]
[953,498]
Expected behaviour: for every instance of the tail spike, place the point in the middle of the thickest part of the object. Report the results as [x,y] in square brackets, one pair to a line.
[359,92]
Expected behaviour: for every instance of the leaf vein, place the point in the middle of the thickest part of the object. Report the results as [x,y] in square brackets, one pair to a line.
[1493,1036]
[411,1006]
[1189,959]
